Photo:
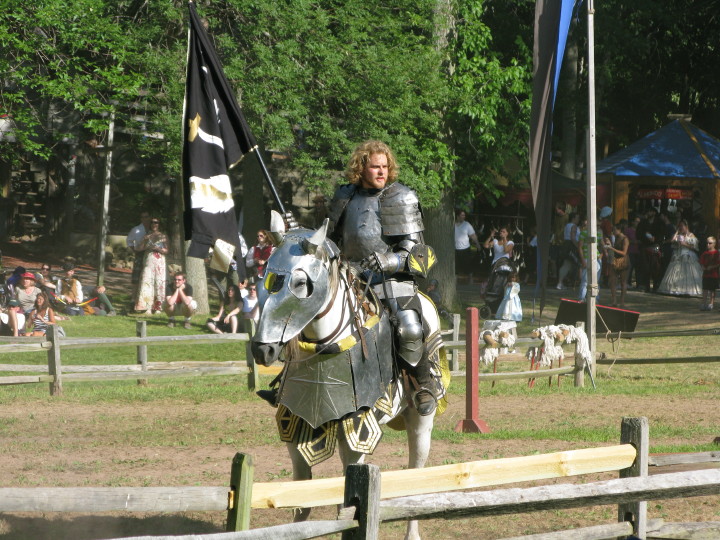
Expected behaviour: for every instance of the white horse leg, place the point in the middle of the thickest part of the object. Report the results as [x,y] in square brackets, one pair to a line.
[419,431]
[301,471]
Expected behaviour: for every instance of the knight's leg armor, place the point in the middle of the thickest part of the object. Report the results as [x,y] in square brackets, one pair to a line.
[412,350]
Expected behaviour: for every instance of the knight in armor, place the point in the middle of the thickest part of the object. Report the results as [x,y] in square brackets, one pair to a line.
[377,223]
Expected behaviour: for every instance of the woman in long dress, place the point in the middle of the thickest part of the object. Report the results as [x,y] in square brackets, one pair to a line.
[153,278]
[684,273]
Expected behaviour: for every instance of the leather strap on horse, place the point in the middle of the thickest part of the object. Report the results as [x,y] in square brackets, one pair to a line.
[344,344]
[333,294]
[356,317]
[406,380]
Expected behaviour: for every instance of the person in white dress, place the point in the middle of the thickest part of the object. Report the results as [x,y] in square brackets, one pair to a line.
[510,308]
[683,276]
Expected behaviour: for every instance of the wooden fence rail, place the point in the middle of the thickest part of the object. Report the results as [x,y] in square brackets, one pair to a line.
[363,488]
[53,344]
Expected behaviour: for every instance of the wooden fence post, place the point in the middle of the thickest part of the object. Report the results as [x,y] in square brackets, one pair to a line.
[362,490]
[240,496]
[635,431]
[455,353]
[141,331]
[472,422]
[54,364]
[579,362]
[253,375]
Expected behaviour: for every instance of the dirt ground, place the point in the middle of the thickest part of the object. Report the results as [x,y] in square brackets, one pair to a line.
[57,443]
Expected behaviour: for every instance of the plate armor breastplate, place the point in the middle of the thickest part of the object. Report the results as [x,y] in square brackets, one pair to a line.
[362,233]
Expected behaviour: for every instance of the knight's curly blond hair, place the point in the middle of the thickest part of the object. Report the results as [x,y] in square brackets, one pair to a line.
[361,155]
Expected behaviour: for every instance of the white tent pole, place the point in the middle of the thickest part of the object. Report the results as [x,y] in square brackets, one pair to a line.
[591,188]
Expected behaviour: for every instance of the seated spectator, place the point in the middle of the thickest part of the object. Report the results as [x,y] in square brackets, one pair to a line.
[251,308]
[41,316]
[12,320]
[15,278]
[226,320]
[44,280]
[98,302]
[26,292]
[69,292]
[179,300]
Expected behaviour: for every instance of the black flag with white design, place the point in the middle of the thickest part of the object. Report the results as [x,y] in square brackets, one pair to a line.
[216,136]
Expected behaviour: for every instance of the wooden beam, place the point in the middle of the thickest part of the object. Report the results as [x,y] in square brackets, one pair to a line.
[635,431]
[131,499]
[527,374]
[596,532]
[661,333]
[53,359]
[311,493]
[84,343]
[121,376]
[362,489]
[241,482]
[552,497]
[638,361]
[683,459]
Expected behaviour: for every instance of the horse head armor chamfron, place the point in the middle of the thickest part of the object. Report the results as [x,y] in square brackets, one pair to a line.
[296,282]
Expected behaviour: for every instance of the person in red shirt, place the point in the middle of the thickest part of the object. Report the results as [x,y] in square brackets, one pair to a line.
[710,261]
[259,254]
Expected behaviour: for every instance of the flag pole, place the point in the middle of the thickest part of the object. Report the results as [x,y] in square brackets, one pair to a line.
[591,188]
[269,181]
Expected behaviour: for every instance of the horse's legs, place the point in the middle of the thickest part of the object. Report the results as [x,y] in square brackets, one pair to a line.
[419,431]
[301,471]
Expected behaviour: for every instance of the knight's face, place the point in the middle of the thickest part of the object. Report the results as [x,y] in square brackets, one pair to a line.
[376,172]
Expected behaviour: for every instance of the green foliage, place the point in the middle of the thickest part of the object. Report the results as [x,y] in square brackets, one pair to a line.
[491,94]
[314,79]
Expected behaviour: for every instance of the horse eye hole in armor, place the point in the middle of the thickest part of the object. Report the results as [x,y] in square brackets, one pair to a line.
[274,282]
[301,285]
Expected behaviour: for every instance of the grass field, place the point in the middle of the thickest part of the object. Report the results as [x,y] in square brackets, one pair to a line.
[185,431]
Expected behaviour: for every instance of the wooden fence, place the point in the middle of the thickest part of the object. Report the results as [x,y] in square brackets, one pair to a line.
[603,358]
[55,372]
[472,423]
[371,497]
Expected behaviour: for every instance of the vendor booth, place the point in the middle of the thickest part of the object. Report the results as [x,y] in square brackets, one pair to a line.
[673,169]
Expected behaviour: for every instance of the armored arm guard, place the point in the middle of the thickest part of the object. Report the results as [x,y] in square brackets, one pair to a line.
[402,225]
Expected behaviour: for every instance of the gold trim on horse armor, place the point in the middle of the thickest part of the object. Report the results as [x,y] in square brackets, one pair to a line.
[317,445]
[362,431]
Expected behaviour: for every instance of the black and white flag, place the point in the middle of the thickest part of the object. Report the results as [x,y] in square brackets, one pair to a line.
[216,136]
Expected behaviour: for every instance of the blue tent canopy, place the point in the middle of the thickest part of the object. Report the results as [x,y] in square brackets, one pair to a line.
[679,150]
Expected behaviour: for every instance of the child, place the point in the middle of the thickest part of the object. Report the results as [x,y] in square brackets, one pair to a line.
[710,261]
[41,316]
[510,308]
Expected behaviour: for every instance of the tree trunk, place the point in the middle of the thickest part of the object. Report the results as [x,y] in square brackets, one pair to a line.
[196,276]
[439,221]
[439,234]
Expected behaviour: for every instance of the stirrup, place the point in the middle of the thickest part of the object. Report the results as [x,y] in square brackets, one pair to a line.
[425,402]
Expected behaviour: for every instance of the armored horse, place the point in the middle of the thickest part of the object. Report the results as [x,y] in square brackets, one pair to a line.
[339,382]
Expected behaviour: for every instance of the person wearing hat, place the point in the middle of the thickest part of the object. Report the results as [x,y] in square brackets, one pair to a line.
[12,320]
[69,291]
[26,292]
[15,278]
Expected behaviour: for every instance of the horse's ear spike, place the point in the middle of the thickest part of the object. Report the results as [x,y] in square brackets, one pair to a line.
[277,227]
[312,244]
